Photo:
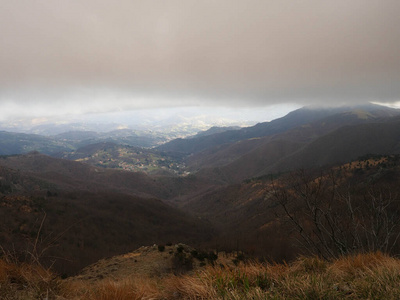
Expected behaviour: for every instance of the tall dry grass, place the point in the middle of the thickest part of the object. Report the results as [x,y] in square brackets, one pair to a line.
[362,276]
[27,281]
[107,289]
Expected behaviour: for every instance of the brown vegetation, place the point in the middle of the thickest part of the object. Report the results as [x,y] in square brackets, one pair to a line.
[27,281]
[333,219]
[362,276]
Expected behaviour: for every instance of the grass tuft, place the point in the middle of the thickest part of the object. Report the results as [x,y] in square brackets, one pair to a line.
[27,281]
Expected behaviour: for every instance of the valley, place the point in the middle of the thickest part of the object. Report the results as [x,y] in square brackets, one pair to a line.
[128,158]
[248,191]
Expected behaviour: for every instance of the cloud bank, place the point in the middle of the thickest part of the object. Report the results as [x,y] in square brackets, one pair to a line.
[88,56]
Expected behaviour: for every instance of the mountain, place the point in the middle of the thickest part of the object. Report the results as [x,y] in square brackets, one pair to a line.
[214,130]
[121,136]
[345,144]
[77,136]
[20,143]
[258,156]
[294,119]
[17,143]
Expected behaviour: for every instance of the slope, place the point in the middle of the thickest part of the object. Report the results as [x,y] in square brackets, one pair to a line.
[256,157]
[18,143]
[250,217]
[343,145]
[72,225]
[71,175]
[294,119]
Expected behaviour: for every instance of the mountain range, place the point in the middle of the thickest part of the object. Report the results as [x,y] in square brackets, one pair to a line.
[304,138]
[97,198]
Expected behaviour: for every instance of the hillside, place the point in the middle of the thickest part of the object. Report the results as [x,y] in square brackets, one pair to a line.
[78,207]
[345,144]
[335,139]
[251,217]
[118,136]
[214,130]
[124,157]
[69,175]
[157,261]
[22,143]
[292,120]
[17,143]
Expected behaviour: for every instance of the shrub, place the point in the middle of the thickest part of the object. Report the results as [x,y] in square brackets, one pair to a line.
[182,263]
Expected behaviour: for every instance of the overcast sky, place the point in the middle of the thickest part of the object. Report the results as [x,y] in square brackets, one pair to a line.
[77,56]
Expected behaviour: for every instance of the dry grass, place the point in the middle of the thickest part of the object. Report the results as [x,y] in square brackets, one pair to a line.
[126,289]
[362,276]
[27,281]
[188,287]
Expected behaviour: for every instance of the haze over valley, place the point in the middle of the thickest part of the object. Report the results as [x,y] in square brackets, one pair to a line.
[199,149]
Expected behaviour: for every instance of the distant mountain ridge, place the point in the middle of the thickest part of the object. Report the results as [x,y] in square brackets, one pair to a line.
[225,154]
[247,158]
[18,143]
[345,144]
[294,119]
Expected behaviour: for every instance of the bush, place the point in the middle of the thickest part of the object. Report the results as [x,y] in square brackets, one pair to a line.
[239,257]
[212,257]
[182,263]
[180,249]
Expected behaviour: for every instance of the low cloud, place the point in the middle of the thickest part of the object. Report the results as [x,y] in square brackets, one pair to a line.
[80,56]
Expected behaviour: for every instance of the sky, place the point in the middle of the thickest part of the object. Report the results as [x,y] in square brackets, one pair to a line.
[98,56]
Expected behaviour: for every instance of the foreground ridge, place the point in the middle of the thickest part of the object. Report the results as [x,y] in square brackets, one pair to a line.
[360,276]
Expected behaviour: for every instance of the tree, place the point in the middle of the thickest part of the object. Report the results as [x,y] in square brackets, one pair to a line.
[333,218]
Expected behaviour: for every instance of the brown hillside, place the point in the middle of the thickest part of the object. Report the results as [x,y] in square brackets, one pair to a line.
[157,261]
[83,221]
[68,175]
[318,144]
[342,145]
[250,217]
